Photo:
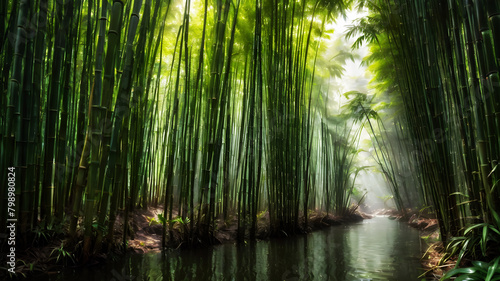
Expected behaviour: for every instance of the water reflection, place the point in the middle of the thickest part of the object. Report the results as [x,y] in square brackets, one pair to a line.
[377,249]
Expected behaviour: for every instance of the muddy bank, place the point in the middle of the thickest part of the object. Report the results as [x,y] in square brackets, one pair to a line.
[146,231]
[423,221]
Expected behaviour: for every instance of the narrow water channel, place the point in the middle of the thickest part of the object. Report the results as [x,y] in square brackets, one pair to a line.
[375,249]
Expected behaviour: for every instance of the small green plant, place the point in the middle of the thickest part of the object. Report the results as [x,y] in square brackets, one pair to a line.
[96,226]
[426,238]
[62,254]
[41,235]
[161,219]
[46,231]
[179,220]
[478,271]
[153,221]
[476,238]
[261,214]
[30,266]
[421,211]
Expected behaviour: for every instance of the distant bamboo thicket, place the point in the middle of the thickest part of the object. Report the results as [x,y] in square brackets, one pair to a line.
[204,107]
[441,60]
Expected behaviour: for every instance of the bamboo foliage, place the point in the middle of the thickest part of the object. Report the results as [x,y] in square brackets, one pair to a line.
[336,155]
[444,56]
[13,116]
[121,110]
[119,105]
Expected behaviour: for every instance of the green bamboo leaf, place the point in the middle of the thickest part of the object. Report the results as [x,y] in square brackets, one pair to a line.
[494,229]
[469,278]
[456,271]
[466,202]
[462,252]
[481,265]
[493,170]
[470,228]
[495,183]
[459,193]
[484,239]
[493,269]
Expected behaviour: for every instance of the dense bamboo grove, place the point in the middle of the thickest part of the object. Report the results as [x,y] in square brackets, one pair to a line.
[439,61]
[210,109]
[219,110]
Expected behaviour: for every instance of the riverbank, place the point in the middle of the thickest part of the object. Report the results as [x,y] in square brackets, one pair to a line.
[55,250]
[146,230]
[430,236]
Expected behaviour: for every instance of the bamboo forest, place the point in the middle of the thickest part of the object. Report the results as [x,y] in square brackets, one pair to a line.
[250,140]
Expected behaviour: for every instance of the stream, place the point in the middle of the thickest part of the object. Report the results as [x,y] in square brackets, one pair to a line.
[375,249]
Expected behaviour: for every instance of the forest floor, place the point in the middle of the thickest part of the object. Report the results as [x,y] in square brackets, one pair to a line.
[146,231]
[52,250]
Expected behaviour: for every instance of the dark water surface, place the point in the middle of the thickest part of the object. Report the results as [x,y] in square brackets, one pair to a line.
[376,249]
